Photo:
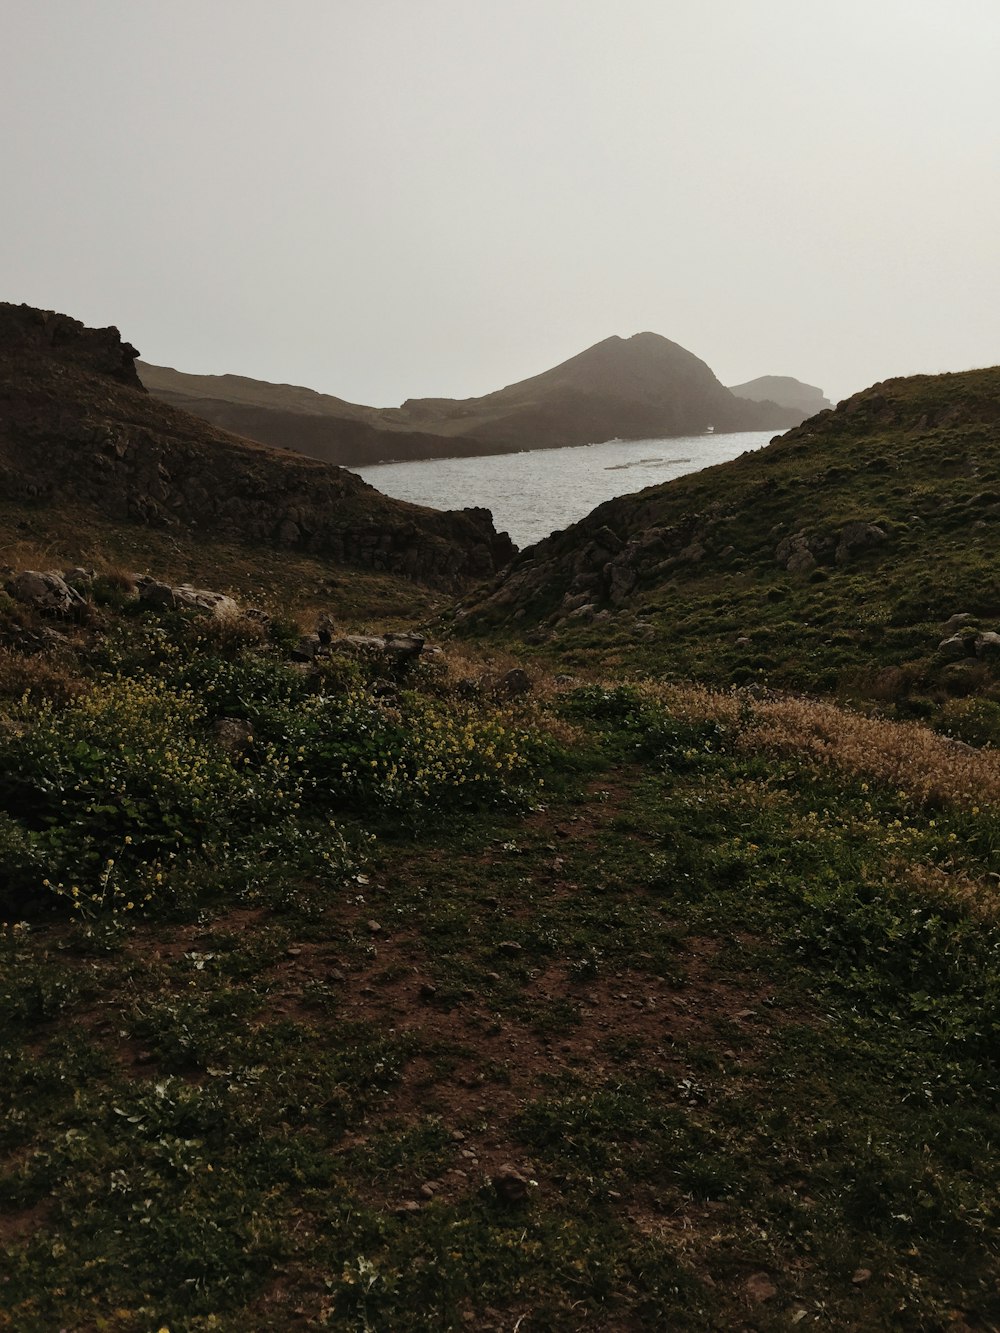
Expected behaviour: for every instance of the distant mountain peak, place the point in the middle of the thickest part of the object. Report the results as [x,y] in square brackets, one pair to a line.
[635,387]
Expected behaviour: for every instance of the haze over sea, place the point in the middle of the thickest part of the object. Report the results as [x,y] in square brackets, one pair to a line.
[535,493]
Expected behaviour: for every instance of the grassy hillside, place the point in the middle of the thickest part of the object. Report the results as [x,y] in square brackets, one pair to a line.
[382,993]
[831,560]
[407,1006]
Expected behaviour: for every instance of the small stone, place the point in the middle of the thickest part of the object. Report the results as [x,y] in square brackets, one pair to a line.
[427,1191]
[374,927]
[410,1206]
[760,1288]
[509,947]
[861,1275]
[457,1136]
[293,951]
[428,991]
[511,1186]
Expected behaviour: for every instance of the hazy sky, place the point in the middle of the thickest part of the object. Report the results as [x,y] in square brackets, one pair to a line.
[392,198]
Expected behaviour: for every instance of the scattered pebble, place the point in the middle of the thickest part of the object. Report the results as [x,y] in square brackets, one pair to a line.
[760,1288]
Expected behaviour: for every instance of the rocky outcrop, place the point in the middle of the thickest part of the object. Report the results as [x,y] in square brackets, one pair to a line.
[76,428]
[48,592]
[803,551]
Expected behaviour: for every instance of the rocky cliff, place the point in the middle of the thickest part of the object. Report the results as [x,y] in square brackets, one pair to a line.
[76,426]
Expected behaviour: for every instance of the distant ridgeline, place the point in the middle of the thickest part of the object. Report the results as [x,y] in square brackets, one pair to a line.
[622,388]
[77,428]
[785,391]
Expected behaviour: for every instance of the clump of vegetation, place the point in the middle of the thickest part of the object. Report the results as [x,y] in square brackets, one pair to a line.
[201,749]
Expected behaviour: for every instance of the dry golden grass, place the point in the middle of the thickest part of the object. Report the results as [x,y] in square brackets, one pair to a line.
[39,677]
[929,768]
[965,896]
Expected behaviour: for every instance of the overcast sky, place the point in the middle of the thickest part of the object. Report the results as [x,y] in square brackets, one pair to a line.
[392,198]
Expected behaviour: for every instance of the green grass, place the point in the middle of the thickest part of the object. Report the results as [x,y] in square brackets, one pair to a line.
[917,457]
[732,1011]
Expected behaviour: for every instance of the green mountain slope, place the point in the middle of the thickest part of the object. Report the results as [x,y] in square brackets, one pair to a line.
[832,555]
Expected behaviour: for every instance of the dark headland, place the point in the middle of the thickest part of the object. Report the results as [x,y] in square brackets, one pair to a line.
[622,388]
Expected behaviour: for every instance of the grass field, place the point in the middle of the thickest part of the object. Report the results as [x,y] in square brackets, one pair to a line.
[615,1006]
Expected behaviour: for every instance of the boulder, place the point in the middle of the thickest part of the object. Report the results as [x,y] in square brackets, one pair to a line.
[184,596]
[233,734]
[953,648]
[855,538]
[955,622]
[794,554]
[307,648]
[513,684]
[401,649]
[987,644]
[46,592]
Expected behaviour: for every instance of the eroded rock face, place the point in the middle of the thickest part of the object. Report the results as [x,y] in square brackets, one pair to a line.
[66,340]
[78,428]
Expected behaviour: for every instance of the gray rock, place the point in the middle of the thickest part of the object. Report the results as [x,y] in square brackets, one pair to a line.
[78,577]
[217,604]
[233,734]
[403,647]
[156,593]
[608,540]
[306,648]
[623,580]
[692,553]
[398,648]
[956,621]
[953,648]
[513,683]
[802,562]
[795,555]
[45,592]
[988,644]
[855,538]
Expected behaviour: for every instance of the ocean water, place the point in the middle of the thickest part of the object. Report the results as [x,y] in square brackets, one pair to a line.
[542,490]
